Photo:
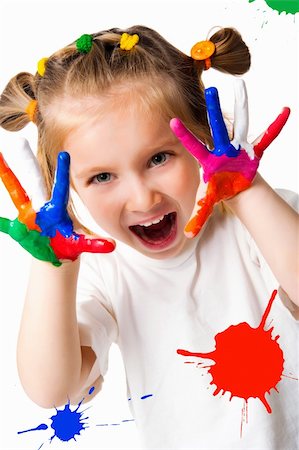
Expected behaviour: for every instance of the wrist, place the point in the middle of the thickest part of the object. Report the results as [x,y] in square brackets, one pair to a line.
[256,188]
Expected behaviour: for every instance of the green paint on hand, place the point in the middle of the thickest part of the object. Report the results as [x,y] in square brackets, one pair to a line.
[31,240]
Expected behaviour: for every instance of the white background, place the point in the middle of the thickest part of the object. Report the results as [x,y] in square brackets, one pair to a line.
[31,30]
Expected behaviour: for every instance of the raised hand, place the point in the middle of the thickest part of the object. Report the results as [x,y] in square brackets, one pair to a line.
[47,234]
[232,165]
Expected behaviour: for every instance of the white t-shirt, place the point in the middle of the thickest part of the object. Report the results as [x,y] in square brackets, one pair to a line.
[151,308]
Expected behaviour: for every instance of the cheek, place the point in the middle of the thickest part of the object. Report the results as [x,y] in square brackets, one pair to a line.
[98,206]
[185,181]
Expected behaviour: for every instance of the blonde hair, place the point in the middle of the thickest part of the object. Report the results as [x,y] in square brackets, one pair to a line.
[154,69]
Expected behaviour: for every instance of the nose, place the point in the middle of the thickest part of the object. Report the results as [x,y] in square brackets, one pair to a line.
[141,197]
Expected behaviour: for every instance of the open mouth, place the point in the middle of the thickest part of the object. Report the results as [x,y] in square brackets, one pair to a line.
[159,234]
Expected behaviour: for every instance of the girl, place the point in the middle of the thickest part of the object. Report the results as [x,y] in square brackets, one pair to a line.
[107,99]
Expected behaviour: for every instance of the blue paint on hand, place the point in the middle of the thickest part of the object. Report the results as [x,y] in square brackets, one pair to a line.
[53,215]
[222,145]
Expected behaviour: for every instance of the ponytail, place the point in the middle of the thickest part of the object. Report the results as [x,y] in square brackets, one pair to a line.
[232,54]
[17,108]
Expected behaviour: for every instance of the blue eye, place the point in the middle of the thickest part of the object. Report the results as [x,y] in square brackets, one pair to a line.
[103,177]
[159,158]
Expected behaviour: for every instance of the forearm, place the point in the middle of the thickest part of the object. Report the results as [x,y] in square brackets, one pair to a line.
[274,226]
[49,352]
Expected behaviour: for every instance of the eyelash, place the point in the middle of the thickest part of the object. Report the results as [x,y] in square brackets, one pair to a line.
[166,154]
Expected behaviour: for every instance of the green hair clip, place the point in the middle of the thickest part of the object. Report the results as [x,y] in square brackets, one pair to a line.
[84,43]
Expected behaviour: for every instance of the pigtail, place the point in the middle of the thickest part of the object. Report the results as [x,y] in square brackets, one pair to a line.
[18,104]
[231,53]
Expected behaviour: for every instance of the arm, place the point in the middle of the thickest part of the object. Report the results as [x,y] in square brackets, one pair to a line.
[52,367]
[274,226]
[230,175]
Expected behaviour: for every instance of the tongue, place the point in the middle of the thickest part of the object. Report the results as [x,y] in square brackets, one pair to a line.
[155,233]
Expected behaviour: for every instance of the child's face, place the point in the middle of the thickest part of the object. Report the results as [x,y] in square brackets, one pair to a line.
[136,179]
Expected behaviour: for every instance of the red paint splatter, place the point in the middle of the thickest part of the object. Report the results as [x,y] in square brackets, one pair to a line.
[248,362]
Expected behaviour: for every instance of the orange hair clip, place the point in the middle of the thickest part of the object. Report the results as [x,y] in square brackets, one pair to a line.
[31,109]
[202,51]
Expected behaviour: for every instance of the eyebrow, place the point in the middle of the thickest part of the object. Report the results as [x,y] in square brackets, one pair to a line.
[90,171]
[97,169]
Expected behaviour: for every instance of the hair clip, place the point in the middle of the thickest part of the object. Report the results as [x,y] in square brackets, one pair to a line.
[202,51]
[41,66]
[31,109]
[128,41]
[84,43]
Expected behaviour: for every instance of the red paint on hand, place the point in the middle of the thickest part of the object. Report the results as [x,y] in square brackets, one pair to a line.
[72,247]
[272,132]
[222,186]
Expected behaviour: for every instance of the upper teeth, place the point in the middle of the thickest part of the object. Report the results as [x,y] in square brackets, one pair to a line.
[148,224]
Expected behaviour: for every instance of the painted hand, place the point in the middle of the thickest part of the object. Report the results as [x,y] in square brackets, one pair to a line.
[232,165]
[48,233]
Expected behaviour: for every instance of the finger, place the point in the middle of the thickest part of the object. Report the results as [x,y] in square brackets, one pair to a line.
[18,195]
[202,210]
[60,192]
[4,225]
[12,184]
[189,141]
[241,119]
[70,248]
[219,131]
[264,140]
[26,168]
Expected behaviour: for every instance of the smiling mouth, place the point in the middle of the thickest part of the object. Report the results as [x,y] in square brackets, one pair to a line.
[159,234]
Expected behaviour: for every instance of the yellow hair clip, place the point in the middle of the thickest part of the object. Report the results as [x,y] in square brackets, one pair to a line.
[31,109]
[202,51]
[127,41]
[41,66]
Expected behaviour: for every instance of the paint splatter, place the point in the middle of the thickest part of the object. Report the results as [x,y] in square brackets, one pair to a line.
[287,6]
[146,396]
[68,423]
[91,390]
[115,424]
[42,426]
[247,361]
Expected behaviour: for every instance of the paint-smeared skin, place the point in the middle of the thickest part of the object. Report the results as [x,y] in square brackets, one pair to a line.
[235,349]
[231,166]
[48,234]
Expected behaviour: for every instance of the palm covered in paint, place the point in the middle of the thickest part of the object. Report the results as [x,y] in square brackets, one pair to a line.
[231,166]
[48,233]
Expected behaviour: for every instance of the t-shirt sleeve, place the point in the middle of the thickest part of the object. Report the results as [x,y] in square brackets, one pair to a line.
[293,200]
[97,324]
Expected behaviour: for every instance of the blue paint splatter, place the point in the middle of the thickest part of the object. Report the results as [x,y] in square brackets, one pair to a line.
[146,396]
[114,424]
[42,426]
[67,423]
[142,398]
